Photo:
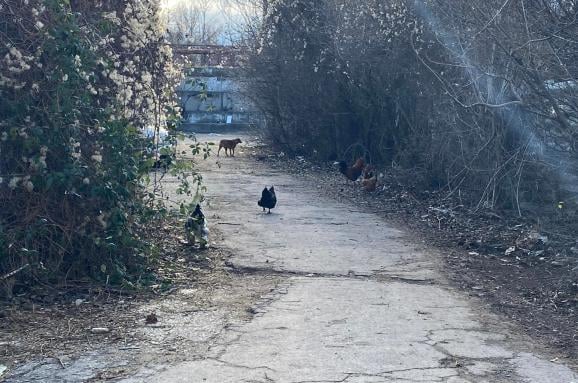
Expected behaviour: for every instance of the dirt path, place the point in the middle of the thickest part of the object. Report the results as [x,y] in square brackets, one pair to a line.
[360,301]
[319,291]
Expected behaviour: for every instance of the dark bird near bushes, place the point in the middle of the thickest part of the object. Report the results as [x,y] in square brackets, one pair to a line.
[352,172]
[164,161]
[196,228]
[268,199]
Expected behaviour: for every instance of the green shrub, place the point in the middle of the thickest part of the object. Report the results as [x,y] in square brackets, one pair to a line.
[79,81]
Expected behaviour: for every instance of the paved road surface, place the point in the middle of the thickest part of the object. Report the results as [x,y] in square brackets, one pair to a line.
[358,301]
[362,301]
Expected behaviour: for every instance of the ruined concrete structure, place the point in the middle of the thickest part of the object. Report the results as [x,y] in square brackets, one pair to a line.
[211,95]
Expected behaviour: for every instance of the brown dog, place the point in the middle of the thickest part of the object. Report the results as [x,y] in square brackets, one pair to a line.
[229,145]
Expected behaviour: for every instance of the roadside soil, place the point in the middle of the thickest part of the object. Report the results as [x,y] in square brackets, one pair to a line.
[47,334]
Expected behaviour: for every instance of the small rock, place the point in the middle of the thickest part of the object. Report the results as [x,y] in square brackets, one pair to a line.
[78,302]
[558,263]
[100,330]
[151,318]
[509,250]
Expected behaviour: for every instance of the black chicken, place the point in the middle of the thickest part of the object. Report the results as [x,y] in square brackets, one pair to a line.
[164,161]
[268,199]
[196,228]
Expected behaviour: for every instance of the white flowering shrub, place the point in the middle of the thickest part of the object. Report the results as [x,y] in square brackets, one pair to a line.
[79,80]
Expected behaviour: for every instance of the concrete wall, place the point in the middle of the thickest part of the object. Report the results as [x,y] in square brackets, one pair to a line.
[214,96]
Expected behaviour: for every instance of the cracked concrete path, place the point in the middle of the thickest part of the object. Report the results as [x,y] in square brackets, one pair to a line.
[361,301]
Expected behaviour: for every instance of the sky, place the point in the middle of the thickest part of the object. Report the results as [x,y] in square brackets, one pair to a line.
[217,10]
[227,15]
[215,6]
[168,4]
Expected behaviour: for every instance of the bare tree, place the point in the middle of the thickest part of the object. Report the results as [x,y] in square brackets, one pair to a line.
[194,22]
[243,19]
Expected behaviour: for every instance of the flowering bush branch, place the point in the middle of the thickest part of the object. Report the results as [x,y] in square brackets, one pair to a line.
[79,81]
